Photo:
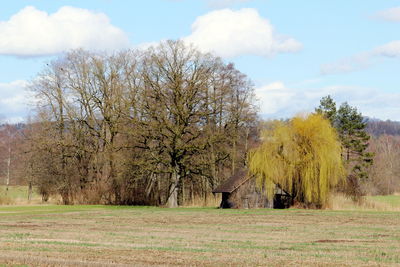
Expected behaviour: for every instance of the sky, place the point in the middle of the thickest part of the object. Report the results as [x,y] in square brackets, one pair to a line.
[295,52]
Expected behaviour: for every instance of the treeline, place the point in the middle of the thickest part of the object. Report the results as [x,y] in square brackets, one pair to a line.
[155,127]
[379,127]
[162,126]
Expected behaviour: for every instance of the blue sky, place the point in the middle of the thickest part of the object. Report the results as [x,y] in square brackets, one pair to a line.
[295,52]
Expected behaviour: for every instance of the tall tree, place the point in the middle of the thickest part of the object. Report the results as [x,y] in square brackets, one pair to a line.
[179,113]
[351,127]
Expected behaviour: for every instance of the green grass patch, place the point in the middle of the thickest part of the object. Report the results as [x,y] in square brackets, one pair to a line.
[16,192]
[393,200]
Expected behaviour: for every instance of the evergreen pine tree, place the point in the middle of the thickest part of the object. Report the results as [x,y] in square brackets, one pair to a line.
[350,125]
[327,108]
[351,128]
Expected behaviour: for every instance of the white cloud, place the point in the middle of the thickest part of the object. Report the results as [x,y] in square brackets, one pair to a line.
[362,60]
[274,97]
[216,4]
[280,101]
[391,49]
[32,32]
[346,65]
[231,33]
[391,14]
[274,86]
[224,3]
[14,100]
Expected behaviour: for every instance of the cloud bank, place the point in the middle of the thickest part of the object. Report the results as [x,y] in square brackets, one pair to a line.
[362,60]
[32,32]
[280,101]
[230,33]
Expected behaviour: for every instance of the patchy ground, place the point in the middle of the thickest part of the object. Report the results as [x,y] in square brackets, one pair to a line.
[143,236]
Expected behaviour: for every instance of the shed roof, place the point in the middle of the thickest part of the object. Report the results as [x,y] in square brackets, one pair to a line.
[233,182]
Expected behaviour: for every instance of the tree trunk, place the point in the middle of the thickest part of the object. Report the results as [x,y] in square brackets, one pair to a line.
[233,167]
[150,184]
[172,201]
[181,193]
[192,193]
[30,191]
[213,167]
[8,168]
[205,191]
[246,146]
[65,196]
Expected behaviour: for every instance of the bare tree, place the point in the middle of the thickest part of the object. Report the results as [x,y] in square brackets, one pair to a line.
[385,177]
[141,125]
[9,138]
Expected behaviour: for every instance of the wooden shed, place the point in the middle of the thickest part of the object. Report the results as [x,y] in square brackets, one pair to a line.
[229,186]
[240,191]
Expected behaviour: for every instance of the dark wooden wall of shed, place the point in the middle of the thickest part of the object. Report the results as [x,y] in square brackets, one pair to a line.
[247,196]
[228,201]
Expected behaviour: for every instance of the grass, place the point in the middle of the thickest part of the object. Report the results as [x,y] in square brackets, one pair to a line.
[392,200]
[368,203]
[17,195]
[50,235]
[15,192]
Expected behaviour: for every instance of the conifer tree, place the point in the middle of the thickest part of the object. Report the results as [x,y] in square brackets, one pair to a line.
[327,107]
[350,125]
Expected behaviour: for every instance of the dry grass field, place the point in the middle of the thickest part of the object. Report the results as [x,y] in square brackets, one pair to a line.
[148,236]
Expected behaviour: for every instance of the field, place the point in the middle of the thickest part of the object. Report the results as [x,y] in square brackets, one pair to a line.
[117,236]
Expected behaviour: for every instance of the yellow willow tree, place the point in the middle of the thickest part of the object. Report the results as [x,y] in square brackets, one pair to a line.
[301,156]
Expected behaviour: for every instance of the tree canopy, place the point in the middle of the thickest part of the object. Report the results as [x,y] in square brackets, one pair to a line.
[154,126]
[301,156]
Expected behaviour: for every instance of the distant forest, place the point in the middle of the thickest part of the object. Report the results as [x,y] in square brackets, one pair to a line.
[376,127]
